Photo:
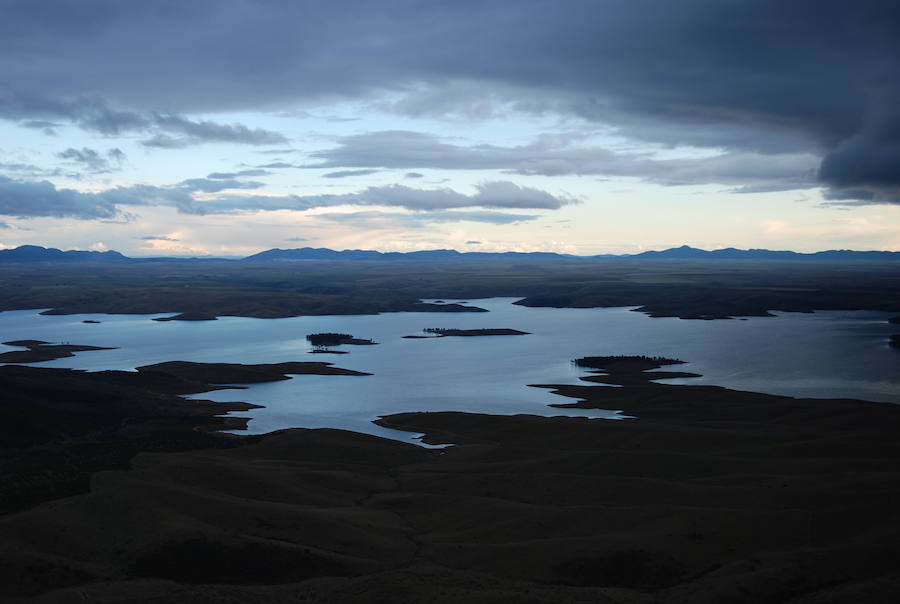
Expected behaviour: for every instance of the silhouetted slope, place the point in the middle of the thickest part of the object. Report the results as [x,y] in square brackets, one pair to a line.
[690,253]
[35,253]
[676,253]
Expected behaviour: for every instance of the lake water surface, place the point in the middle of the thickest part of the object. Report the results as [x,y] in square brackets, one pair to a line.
[825,354]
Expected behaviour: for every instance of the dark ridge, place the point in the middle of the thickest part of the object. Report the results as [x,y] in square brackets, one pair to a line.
[35,253]
[678,253]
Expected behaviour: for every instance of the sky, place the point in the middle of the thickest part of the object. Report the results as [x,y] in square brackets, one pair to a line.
[227,127]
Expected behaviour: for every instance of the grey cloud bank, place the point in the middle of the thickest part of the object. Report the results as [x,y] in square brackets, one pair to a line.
[94,114]
[42,198]
[554,155]
[376,220]
[36,199]
[94,160]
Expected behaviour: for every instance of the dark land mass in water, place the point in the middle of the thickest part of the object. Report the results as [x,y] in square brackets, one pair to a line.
[273,289]
[442,332]
[711,496]
[39,351]
[336,339]
[62,425]
[895,340]
[894,320]
[236,373]
[188,316]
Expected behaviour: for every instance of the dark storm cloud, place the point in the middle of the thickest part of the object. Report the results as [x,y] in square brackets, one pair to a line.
[744,75]
[412,175]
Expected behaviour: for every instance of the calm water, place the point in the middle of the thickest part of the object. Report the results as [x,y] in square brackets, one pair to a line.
[826,354]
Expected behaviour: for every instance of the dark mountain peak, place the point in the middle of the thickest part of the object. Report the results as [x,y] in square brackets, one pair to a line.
[36,253]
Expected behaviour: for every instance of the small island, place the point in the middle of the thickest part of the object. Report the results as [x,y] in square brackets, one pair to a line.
[188,316]
[39,351]
[895,340]
[625,363]
[324,341]
[629,370]
[442,332]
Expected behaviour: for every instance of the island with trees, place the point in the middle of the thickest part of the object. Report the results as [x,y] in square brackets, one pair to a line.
[323,342]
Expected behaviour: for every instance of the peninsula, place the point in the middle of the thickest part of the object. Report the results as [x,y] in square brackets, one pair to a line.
[39,351]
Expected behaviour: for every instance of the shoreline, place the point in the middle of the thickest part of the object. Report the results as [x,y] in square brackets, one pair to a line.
[678,289]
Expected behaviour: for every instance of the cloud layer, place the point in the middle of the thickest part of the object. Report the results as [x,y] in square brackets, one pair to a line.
[555,155]
[40,199]
[749,76]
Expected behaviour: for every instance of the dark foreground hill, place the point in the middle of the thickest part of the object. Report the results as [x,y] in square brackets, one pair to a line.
[710,496]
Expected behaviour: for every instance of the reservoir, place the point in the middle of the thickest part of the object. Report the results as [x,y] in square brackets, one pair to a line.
[829,354]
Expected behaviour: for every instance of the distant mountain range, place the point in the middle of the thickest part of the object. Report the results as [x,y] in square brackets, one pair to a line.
[33,253]
[690,253]
[676,253]
[310,253]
